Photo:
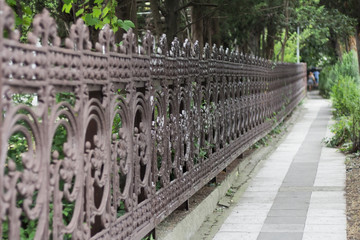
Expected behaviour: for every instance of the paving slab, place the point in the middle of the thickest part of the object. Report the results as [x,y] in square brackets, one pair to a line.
[298,194]
[280,236]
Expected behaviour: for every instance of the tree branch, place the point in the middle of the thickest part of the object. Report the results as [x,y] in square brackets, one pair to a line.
[191,3]
[197,20]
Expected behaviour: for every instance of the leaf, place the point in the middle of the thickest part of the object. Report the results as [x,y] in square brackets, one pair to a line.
[27,21]
[90,20]
[18,21]
[98,1]
[27,10]
[81,11]
[11,2]
[67,2]
[99,25]
[32,234]
[126,25]
[96,12]
[67,7]
[106,20]
[129,23]
[106,11]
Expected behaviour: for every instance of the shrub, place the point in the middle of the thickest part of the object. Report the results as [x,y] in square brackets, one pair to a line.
[345,96]
[330,75]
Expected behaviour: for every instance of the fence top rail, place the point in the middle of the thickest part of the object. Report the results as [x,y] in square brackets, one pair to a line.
[44,37]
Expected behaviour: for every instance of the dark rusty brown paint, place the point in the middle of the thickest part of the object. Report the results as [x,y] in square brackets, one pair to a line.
[184,118]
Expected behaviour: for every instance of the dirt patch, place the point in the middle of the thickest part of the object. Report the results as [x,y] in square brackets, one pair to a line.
[353,197]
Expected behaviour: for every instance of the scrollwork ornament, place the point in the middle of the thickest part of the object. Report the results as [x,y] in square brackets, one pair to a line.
[44,29]
[122,151]
[107,90]
[46,98]
[6,97]
[78,94]
[68,168]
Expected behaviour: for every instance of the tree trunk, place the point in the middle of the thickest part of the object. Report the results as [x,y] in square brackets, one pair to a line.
[155,11]
[171,18]
[358,43]
[126,10]
[216,29]
[286,7]
[263,43]
[270,41]
[197,28]
[352,43]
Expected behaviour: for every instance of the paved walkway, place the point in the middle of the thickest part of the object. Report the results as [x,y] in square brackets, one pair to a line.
[298,194]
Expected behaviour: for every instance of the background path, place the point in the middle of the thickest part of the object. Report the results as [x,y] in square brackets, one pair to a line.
[299,192]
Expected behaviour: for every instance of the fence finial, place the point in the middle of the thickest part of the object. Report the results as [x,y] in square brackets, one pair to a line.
[163,46]
[148,42]
[79,36]
[175,48]
[44,29]
[187,48]
[7,22]
[221,53]
[129,42]
[106,40]
[215,52]
[196,49]
[207,54]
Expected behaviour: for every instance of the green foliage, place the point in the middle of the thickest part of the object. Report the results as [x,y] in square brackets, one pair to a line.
[290,48]
[345,96]
[330,75]
[343,78]
[98,13]
[148,237]
[342,132]
[320,28]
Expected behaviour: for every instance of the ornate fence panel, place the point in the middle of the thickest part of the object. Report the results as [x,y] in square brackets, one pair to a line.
[105,144]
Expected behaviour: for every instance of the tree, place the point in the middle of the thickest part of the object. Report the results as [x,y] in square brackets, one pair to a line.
[95,13]
[351,9]
[323,29]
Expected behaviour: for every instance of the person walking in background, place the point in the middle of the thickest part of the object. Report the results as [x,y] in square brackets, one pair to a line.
[316,75]
[310,81]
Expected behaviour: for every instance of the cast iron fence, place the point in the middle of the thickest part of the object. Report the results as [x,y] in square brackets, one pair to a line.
[105,144]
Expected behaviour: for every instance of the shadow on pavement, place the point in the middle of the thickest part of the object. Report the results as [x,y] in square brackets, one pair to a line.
[314,94]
